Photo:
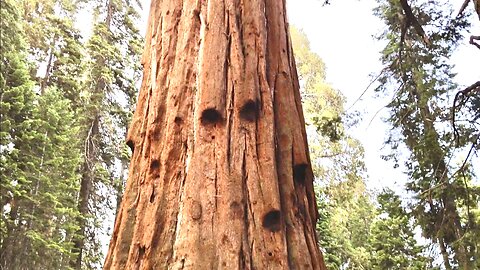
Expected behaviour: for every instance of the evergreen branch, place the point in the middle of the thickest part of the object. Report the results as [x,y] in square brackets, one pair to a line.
[459,170]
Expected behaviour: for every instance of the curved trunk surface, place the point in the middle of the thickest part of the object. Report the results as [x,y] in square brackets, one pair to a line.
[220,176]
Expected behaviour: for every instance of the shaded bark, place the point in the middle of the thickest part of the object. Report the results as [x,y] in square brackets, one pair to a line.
[44,81]
[220,175]
[444,252]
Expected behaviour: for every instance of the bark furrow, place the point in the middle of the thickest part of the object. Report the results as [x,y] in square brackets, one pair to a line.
[220,176]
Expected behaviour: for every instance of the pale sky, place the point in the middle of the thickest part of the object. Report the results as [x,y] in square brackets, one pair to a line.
[341,34]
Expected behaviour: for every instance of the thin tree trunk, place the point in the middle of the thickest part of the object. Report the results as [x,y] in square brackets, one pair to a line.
[443,250]
[220,175]
[90,156]
[88,174]
[79,240]
[46,77]
[458,244]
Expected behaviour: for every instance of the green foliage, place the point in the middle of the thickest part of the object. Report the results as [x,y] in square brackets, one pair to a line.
[64,115]
[67,62]
[50,212]
[63,119]
[420,78]
[50,35]
[16,87]
[16,100]
[353,232]
[346,209]
[322,104]
[112,70]
[392,239]
[347,225]
[39,161]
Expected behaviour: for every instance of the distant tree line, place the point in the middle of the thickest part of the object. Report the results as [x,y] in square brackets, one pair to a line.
[65,100]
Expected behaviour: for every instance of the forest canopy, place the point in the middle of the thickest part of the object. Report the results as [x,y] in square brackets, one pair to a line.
[67,97]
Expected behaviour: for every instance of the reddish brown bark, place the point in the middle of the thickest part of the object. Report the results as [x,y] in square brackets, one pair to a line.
[220,176]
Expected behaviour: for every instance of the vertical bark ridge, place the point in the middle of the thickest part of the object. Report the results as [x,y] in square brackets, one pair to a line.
[307,189]
[289,135]
[176,138]
[212,60]
[220,177]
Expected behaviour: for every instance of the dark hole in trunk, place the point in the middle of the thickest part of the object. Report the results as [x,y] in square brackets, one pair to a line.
[210,117]
[249,111]
[299,173]
[272,221]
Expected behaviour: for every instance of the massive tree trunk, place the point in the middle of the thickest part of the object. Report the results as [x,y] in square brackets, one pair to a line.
[220,175]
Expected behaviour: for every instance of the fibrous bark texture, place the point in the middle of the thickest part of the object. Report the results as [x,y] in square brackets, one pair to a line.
[220,176]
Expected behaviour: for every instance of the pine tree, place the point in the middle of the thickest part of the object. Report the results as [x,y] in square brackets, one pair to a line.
[98,77]
[392,240]
[40,159]
[112,71]
[16,103]
[418,72]
[50,214]
[54,44]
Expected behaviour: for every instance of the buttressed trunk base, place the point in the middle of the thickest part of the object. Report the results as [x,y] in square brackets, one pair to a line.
[220,176]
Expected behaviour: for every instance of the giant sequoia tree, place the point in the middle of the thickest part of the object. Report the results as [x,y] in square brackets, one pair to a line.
[220,175]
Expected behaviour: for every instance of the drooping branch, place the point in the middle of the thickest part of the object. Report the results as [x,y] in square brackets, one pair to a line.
[461,97]
[477,9]
[472,41]
[476,4]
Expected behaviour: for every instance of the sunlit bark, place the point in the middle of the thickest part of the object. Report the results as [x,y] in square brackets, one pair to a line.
[220,175]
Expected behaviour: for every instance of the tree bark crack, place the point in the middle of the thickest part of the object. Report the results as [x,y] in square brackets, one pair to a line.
[233,57]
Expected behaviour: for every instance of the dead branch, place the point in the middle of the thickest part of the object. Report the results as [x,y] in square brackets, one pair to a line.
[464,6]
[462,94]
[472,41]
